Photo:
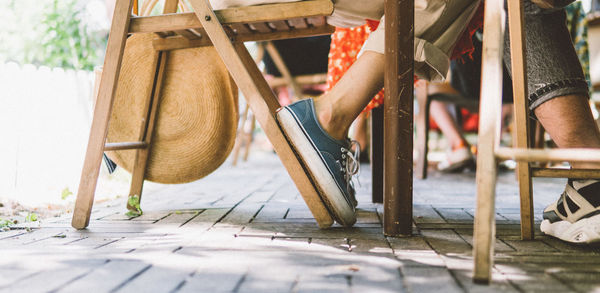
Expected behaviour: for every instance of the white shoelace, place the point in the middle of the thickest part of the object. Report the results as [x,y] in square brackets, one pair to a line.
[351,164]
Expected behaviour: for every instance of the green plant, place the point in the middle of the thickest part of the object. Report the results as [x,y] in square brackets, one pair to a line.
[5,224]
[31,217]
[134,202]
[64,40]
[65,193]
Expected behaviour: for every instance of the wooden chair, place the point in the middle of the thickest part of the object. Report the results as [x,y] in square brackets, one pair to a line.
[226,30]
[489,129]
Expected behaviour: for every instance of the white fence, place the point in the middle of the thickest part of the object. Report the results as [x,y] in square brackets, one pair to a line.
[45,116]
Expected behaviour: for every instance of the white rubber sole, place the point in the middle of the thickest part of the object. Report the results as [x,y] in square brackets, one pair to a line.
[584,231]
[331,194]
[458,166]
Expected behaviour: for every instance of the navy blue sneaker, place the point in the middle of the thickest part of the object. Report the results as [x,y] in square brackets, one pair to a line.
[329,161]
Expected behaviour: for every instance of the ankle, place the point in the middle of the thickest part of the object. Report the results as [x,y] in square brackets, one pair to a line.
[330,122]
[459,145]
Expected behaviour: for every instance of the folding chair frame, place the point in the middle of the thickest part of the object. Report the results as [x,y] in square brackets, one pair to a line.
[236,58]
[489,131]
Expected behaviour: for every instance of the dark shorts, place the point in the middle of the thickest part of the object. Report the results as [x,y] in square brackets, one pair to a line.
[465,75]
[553,69]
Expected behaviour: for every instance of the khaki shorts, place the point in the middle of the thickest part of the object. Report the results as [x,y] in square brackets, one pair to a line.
[438,25]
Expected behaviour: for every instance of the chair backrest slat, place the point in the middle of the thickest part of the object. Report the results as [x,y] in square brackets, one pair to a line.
[249,14]
[280,25]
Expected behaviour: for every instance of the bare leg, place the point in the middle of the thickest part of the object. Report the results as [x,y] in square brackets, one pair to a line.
[360,132]
[570,123]
[447,124]
[337,109]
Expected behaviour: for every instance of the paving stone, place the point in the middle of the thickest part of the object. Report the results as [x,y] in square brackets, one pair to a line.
[454,215]
[446,241]
[538,282]
[107,277]
[272,212]
[379,247]
[312,284]
[426,214]
[500,282]
[55,278]
[499,245]
[160,279]
[581,281]
[527,245]
[212,282]
[9,276]
[429,279]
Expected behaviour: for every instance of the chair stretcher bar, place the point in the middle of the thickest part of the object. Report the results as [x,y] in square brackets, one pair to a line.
[116,146]
[179,42]
[565,173]
[548,155]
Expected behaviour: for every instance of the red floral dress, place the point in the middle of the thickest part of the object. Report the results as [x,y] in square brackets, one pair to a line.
[345,45]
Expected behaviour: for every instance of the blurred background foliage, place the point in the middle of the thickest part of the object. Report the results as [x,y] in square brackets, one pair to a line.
[57,33]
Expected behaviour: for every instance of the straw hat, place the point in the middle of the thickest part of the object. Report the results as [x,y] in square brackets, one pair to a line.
[197,112]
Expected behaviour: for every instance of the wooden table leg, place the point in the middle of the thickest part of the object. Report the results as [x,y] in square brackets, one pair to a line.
[377,154]
[398,117]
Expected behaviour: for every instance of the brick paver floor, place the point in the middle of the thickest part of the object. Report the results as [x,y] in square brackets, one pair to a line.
[246,229]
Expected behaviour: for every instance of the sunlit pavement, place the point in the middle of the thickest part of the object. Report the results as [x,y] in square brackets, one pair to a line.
[246,229]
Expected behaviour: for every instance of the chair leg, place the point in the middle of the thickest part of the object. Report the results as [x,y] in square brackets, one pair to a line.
[484,230]
[151,109]
[489,130]
[377,154]
[249,137]
[422,129]
[519,65]
[147,129]
[239,140]
[102,110]
[263,103]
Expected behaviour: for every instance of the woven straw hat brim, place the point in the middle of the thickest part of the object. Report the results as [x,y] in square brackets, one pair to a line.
[197,111]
